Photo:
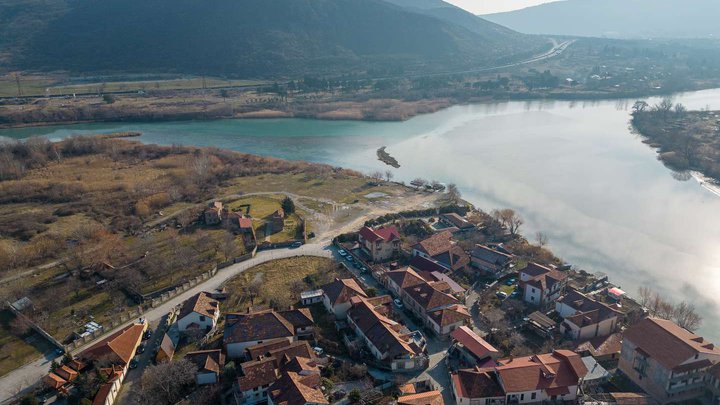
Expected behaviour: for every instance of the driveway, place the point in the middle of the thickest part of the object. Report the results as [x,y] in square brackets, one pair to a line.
[23,378]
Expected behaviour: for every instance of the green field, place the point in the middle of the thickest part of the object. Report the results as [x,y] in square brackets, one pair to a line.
[47,85]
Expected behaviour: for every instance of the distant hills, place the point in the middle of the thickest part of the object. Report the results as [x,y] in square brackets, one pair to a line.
[250,37]
[617,18]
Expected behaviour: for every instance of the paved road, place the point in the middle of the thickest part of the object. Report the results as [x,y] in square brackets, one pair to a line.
[30,373]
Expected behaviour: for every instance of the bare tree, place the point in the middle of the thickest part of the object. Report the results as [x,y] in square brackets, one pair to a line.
[541,238]
[509,218]
[376,175]
[686,316]
[640,106]
[388,175]
[454,194]
[166,382]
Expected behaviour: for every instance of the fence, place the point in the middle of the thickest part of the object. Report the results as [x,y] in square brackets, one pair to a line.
[35,327]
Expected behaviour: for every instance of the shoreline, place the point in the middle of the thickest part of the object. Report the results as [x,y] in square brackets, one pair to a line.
[370,110]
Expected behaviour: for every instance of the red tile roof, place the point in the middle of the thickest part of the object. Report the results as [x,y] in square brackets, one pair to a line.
[423,398]
[543,277]
[387,234]
[294,389]
[202,304]
[436,244]
[257,373]
[208,360]
[668,343]
[380,330]
[259,325]
[474,343]
[118,347]
[477,383]
[450,315]
[562,368]
[341,290]
[602,345]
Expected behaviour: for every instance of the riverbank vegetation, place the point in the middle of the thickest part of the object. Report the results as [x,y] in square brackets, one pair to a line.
[685,140]
[588,69]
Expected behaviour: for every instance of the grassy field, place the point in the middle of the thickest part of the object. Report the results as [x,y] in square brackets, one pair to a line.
[15,350]
[38,85]
[280,282]
[346,190]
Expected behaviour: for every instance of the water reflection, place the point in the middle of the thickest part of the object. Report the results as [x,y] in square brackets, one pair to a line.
[573,169]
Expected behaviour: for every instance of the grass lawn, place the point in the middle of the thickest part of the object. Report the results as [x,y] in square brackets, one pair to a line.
[342,189]
[16,351]
[507,289]
[281,282]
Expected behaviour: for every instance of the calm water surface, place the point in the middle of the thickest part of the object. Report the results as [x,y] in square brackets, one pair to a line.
[573,170]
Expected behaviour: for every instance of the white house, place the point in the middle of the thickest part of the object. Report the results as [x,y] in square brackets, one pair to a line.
[553,376]
[210,364]
[337,295]
[200,312]
[541,285]
[584,317]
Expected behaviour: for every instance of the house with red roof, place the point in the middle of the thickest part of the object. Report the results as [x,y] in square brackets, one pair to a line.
[431,301]
[209,364]
[668,362]
[388,341]
[114,352]
[474,349]
[380,244]
[199,312]
[442,249]
[585,317]
[337,295]
[541,285]
[243,330]
[538,378]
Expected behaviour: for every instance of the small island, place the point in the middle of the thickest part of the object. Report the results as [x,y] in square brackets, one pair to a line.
[686,140]
[385,157]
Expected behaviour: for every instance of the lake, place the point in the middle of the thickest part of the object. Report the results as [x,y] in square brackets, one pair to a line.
[573,170]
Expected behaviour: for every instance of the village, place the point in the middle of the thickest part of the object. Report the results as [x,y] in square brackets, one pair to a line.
[422,307]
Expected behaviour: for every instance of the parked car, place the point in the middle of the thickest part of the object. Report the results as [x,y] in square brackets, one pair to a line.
[398,303]
[363,269]
[501,295]
[342,252]
[296,245]
[510,281]
[141,349]
[147,335]
[319,351]
[515,294]
[133,363]
[349,258]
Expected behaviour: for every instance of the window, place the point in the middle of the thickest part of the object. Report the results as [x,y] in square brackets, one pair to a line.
[533,395]
[202,318]
[522,397]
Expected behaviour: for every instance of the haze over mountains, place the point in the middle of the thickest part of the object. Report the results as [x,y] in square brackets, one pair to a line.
[250,37]
[617,18]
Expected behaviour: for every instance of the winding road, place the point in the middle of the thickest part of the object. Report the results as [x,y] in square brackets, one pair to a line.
[20,380]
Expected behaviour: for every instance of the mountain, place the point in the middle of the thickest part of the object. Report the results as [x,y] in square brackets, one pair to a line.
[617,18]
[248,37]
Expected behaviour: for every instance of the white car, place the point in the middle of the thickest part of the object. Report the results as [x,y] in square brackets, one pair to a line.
[398,303]
[342,252]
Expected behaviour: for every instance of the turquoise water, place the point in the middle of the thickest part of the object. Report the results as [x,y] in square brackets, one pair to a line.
[573,170]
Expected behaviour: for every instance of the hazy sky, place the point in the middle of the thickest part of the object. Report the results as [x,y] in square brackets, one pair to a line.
[494,6]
